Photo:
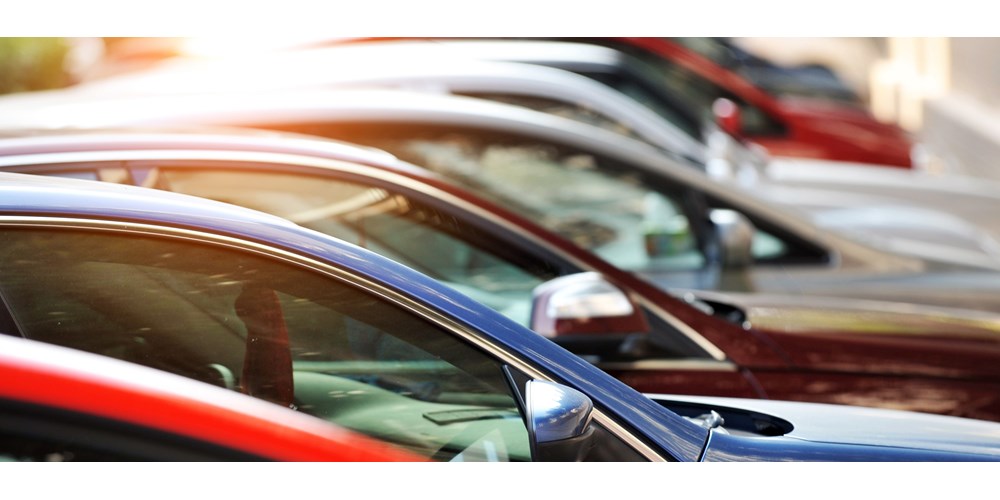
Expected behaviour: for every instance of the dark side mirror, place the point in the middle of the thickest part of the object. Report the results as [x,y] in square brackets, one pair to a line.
[559,422]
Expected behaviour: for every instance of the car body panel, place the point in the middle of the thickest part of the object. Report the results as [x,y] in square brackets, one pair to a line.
[26,200]
[843,202]
[777,79]
[66,380]
[892,434]
[773,340]
[35,199]
[815,128]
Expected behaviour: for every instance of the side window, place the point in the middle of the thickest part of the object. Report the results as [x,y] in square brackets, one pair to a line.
[573,111]
[589,200]
[641,91]
[701,93]
[266,328]
[773,246]
[407,231]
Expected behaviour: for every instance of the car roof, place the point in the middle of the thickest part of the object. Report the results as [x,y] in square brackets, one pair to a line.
[33,141]
[485,66]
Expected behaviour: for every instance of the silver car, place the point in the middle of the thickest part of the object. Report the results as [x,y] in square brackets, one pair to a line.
[890,208]
[618,197]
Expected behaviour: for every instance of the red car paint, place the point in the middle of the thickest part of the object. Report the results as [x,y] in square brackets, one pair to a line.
[53,377]
[811,128]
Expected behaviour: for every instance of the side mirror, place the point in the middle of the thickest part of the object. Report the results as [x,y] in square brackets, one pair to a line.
[727,115]
[734,237]
[584,303]
[559,422]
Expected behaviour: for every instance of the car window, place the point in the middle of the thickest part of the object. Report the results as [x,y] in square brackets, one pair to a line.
[397,226]
[701,94]
[635,221]
[571,110]
[266,328]
[590,200]
[645,91]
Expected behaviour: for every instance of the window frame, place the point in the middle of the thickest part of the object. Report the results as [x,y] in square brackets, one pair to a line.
[463,333]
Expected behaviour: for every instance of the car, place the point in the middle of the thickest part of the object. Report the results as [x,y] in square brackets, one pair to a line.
[255,304]
[800,127]
[819,349]
[61,405]
[659,199]
[887,204]
[433,68]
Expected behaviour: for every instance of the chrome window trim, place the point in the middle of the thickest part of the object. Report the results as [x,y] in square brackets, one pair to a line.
[341,275]
[353,168]
[671,364]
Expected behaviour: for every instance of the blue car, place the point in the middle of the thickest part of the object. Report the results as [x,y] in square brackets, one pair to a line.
[256,304]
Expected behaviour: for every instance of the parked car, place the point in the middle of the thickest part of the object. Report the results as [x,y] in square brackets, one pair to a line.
[879,202]
[256,304]
[801,127]
[657,199]
[818,349]
[61,405]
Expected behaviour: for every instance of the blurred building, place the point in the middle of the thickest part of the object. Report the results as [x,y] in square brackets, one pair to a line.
[960,120]
[944,90]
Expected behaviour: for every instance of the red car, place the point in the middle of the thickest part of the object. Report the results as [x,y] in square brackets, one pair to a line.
[811,128]
[58,404]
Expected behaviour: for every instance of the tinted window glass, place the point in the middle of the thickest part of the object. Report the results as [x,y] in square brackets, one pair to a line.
[405,230]
[701,94]
[266,328]
[595,202]
[573,111]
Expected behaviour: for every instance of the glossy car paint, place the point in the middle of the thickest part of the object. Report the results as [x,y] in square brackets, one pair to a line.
[224,424]
[847,261]
[886,438]
[784,347]
[815,128]
[429,68]
[35,200]
[894,208]
[777,79]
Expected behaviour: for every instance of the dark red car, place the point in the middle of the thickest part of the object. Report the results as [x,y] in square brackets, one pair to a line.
[804,127]
[783,347]
[787,126]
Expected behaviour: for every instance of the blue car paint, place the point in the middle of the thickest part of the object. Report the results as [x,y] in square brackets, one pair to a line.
[675,436]
[35,195]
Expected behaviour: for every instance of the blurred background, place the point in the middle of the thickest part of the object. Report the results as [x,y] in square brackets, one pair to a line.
[943,90]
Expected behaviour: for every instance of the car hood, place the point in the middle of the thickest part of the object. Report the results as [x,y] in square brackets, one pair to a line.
[909,212]
[859,336]
[850,425]
[851,130]
[825,113]
[927,233]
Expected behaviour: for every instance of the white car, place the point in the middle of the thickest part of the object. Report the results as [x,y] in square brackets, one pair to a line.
[621,198]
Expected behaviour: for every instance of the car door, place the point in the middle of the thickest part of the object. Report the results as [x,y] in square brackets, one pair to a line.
[252,319]
[478,256]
